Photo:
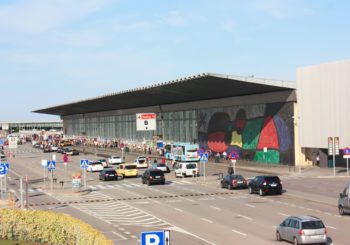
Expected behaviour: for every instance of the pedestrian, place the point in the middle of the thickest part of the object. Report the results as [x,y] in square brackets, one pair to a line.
[149,151]
[163,160]
[224,155]
[155,160]
[318,159]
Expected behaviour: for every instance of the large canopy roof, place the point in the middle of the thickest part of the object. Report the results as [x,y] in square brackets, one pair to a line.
[204,86]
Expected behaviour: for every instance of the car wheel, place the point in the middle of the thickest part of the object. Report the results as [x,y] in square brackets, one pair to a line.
[295,241]
[261,192]
[148,183]
[250,190]
[341,210]
[222,185]
[183,175]
[163,183]
[230,187]
[278,236]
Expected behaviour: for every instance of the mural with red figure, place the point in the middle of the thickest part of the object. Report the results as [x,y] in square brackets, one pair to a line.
[263,133]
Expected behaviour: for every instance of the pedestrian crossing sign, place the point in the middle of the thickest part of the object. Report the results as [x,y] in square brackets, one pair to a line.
[51,165]
[204,158]
[84,163]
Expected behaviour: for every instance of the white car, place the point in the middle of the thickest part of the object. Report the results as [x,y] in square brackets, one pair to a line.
[95,167]
[184,169]
[54,147]
[141,162]
[115,160]
[161,166]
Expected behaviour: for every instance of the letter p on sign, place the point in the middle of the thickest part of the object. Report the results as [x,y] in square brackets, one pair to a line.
[152,238]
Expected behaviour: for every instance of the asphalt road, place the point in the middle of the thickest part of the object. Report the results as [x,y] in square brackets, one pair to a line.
[195,210]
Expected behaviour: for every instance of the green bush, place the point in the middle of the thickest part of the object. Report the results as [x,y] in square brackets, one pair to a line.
[48,228]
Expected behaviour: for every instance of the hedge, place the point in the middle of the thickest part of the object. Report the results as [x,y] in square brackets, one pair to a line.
[48,228]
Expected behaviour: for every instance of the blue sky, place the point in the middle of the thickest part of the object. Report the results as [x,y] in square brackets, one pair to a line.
[58,51]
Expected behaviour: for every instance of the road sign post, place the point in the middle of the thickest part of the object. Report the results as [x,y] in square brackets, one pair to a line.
[346,154]
[333,149]
[203,160]
[51,166]
[84,163]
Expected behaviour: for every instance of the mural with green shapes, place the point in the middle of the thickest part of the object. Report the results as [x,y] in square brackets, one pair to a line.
[252,134]
[271,156]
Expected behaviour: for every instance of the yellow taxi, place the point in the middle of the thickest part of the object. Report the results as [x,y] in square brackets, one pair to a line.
[127,170]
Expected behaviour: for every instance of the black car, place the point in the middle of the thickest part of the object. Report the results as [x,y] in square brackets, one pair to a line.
[73,152]
[151,176]
[62,150]
[265,185]
[108,174]
[233,181]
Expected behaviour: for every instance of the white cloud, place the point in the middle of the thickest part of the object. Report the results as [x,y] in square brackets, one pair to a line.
[37,16]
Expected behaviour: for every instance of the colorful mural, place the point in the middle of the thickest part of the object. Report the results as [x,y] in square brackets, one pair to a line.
[263,133]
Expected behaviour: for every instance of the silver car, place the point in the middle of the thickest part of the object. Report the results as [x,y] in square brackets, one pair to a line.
[302,230]
[344,201]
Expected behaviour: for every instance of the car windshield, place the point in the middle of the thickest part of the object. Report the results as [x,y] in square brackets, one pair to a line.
[141,160]
[191,166]
[96,163]
[311,225]
[130,166]
[156,173]
[110,172]
[237,177]
[273,179]
[192,150]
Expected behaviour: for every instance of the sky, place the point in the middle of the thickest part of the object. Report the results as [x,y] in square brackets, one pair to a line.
[54,52]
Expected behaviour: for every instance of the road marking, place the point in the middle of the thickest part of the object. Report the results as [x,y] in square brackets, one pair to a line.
[215,207]
[206,220]
[249,205]
[126,185]
[245,217]
[331,227]
[121,236]
[141,202]
[286,215]
[240,233]
[177,209]
[133,236]
[127,232]
[187,199]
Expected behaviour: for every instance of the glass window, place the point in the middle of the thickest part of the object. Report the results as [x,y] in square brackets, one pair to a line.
[311,225]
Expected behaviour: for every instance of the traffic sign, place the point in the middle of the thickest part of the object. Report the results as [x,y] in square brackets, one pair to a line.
[1,142]
[200,152]
[44,163]
[51,165]
[3,169]
[346,151]
[84,163]
[204,158]
[155,238]
[233,155]
[7,165]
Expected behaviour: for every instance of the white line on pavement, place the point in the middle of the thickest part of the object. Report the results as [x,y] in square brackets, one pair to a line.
[121,236]
[177,209]
[249,205]
[245,217]
[206,220]
[240,233]
[215,207]
[331,227]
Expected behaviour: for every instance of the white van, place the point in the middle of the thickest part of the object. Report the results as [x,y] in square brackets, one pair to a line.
[184,169]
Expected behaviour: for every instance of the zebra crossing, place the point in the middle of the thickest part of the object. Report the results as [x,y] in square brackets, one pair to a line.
[30,191]
[134,185]
[116,212]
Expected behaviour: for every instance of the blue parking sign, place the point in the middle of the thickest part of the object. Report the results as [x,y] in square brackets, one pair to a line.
[152,238]
[3,169]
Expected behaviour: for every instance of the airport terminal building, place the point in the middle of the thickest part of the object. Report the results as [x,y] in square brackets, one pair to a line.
[252,116]
[269,121]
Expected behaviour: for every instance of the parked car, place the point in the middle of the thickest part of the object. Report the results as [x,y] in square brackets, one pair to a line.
[73,152]
[108,174]
[141,162]
[60,150]
[302,230]
[184,169]
[104,162]
[151,176]
[265,185]
[161,167]
[94,167]
[127,170]
[36,145]
[114,160]
[54,147]
[233,181]
[344,201]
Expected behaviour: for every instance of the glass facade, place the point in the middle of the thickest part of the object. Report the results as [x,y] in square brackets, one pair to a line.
[172,126]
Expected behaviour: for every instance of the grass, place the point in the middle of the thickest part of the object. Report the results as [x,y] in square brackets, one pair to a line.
[13,242]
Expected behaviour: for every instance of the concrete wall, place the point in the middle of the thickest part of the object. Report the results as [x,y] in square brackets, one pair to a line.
[323,101]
